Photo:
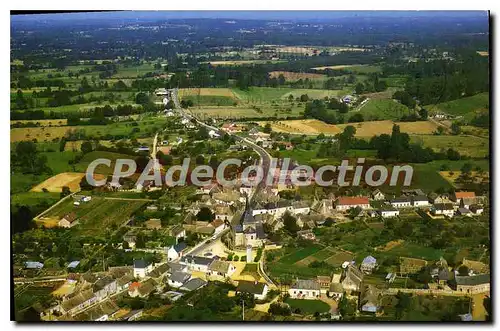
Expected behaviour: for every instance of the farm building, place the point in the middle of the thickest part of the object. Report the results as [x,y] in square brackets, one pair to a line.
[259,290]
[305,289]
[420,201]
[68,221]
[346,203]
[445,209]
[473,284]
[458,196]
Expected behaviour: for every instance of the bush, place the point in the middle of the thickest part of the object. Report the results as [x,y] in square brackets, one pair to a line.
[236,258]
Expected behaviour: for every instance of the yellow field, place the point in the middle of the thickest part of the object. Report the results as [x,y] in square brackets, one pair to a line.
[340,66]
[240,62]
[483,53]
[57,122]
[451,178]
[40,134]
[390,245]
[223,92]
[295,75]
[56,183]
[297,50]
[223,112]
[313,127]
[363,129]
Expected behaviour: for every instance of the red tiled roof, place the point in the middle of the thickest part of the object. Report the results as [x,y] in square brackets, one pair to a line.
[217,223]
[350,201]
[461,195]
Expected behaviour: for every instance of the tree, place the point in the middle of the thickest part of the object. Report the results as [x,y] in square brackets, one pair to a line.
[205,215]
[455,129]
[200,159]
[141,98]
[359,88]
[86,147]
[267,128]
[463,270]
[404,302]
[290,223]
[65,191]
[170,104]
[424,114]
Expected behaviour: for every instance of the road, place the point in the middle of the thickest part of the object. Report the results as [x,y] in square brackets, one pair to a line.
[265,157]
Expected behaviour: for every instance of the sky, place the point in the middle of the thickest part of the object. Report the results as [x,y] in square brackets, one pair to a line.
[264,15]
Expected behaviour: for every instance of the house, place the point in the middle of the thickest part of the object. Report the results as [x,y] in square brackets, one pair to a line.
[324,283]
[227,198]
[142,268]
[401,202]
[221,268]
[445,209]
[68,221]
[368,264]
[177,267]
[306,234]
[258,290]
[352,279]
[212,134]
[196,263]
[159,271]
[104,287]
[369,302]
[33,265]
[245,189]
[346,203]
[476,209]
[130,239]
[473,284]
[305,289]
[99,313]
[464,212]
[219,225]
[77,302]
[467,202]
[153,224]
[336,291]
[458,196]
[193,284]
[143,289]
[178,278]
[442,198]
[132,315]
[223,213]
[420,201]
[378,195]
[124,282]
[388,211]
[177,231]
[175,251]
[301,207]
[390,277]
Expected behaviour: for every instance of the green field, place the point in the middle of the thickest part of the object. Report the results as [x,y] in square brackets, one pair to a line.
[382,109]
[300,254]
[97,216]
[466,145]
[307,307]
[465,106]
[101,169]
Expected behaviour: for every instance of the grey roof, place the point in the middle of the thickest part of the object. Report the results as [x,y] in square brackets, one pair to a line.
[193,284]
[175,267]
[160,270]
[191,259]
[179,277]
[219,266]
[401,199]
[336,288]
[420,198]
[101,283]
[369,260]
[443,206]
[77,300]
[250,287]
[306,284]
[141,264]
[473,280]
[180,247]
[259,228]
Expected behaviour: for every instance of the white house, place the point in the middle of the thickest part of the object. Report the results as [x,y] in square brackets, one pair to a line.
[196,263]
[388,211]
[142,268]
[175,251]
[378,195]
[221,268]
[401,202]
[177,279]
[368,264]
[420,201]
[445,209]
[305,289]
[301,207]
[346,203]
[259,290]
[213,134]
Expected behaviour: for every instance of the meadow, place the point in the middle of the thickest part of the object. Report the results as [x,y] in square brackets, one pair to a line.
[467,107]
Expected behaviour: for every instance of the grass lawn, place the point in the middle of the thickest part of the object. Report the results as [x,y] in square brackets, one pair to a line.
[34,198]
[300,254]
[308,307]
[101,169]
